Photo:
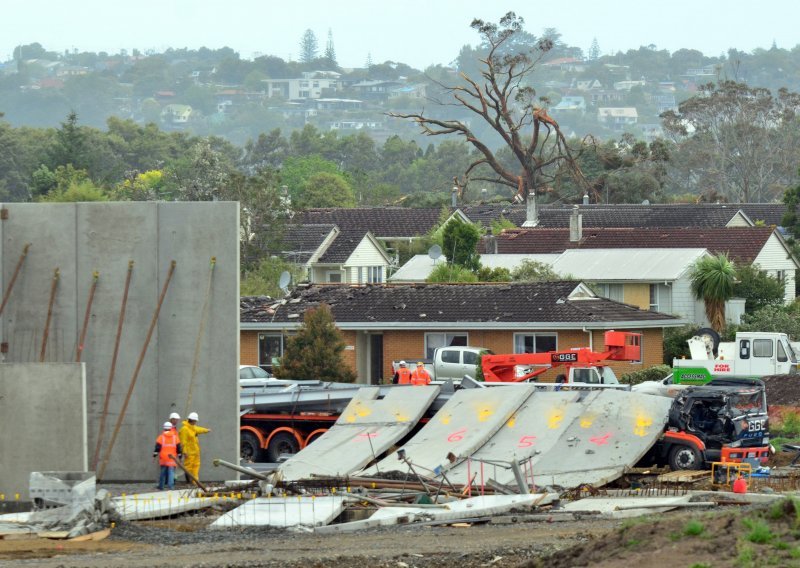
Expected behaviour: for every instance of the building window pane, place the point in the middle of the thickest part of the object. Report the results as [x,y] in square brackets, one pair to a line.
[334,276]
[435,340]
[270,349]
[762,348]
[535,342]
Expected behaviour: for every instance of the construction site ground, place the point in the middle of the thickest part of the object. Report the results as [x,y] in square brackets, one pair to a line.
[723,537]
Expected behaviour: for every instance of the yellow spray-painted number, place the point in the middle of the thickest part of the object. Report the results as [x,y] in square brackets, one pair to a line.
[484,414]
[554,418]
[642,425]
[512,421]
[587,420]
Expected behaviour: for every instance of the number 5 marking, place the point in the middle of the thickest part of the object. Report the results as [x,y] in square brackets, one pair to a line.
[526,441]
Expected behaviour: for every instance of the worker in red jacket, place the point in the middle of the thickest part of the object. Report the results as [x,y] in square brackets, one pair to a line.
[402,376]
[168,444]
[420,376]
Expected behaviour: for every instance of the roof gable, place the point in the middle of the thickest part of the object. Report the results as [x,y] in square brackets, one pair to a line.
[301,243]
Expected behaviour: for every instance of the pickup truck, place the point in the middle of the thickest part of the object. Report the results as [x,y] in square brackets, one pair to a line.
[448,363]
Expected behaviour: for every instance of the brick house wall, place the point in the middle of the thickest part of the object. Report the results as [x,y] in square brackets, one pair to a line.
[403,344]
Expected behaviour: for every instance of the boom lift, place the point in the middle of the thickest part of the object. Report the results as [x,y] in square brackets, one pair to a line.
[582,364]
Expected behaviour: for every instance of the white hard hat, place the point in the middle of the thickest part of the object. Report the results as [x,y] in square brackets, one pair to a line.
[167,425]
[175,416]
[402,363]
[192,416]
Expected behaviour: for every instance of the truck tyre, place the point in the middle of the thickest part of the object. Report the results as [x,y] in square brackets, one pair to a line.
[281,444]
[249,448]
[684,458]
[712,335]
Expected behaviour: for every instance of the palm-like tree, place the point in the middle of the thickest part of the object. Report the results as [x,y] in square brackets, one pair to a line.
[712,279]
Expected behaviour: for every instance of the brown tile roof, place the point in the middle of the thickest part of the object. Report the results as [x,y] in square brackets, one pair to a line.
[383,222]
[700,215]
[343,246]
[301,241]
[531,302]
[740,243]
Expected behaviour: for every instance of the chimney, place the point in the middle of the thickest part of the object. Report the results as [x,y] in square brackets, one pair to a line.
[575,226]
[532,215]
[586,199]
[454,197]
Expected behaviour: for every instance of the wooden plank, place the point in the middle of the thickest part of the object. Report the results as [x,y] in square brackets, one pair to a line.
[54,535]
[98,535]
[687,476]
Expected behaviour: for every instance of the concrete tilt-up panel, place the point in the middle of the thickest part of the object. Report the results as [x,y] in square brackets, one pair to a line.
[81,238]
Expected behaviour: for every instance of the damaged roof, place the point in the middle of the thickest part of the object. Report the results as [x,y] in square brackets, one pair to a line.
[740,243]
[566,304]
[300,242]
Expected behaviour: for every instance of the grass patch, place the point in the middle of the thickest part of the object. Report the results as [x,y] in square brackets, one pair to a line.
[694,528]
[633,543]
[760,531]
[747,557]
[789,424]
[795,552]
[701,565]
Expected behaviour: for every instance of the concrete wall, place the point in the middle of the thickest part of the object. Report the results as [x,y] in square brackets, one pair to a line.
[81,238]
[42,422]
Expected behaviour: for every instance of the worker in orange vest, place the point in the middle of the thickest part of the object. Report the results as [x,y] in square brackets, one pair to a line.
[168,444]
[402,376]
[420,376]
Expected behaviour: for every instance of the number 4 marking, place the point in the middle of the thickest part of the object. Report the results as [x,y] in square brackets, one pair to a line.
[526,441]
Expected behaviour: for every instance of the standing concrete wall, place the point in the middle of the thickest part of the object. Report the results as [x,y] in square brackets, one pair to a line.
[42,422]
[81,238]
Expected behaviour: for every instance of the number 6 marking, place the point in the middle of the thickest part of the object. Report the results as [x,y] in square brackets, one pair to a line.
[457,436]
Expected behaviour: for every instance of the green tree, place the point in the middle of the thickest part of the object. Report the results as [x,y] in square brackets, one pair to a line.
[78,191]
[70,144]
[533,271]
[330,52]
[712,280]
[459,242]
[499,274]
[263,279]
[775,319]
[308,47]
[316,351]
[203,176]
[758,288]
[326,190]
[445,272]
[296,172]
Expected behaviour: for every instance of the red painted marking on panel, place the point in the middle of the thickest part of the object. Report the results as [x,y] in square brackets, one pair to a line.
[600,440]
[526,441]
[457,436]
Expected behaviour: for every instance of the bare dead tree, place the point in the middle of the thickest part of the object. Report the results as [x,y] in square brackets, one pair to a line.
[504,100]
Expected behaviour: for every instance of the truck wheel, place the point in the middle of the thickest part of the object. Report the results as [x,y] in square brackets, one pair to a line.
[684,458]
[712,336]
[249,448]
[281,444]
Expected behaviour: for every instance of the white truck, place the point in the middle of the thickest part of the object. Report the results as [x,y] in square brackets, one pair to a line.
[753,354]
[448,363]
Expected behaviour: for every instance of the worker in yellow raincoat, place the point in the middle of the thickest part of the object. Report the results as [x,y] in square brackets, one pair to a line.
[190,445]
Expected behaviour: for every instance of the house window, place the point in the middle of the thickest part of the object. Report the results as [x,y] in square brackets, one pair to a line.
[374,274]
[660,298]
[335,277]
[535,342]
[360,274]
[270,350]
[435,340]
[611,291]
[780,275]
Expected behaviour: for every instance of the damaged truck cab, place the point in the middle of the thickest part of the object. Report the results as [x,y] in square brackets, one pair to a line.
[724,421]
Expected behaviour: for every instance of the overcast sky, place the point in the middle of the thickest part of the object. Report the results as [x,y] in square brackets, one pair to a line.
[416,32]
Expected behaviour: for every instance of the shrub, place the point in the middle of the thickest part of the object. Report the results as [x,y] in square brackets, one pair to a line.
[652,374]
[760,533]
[694,528]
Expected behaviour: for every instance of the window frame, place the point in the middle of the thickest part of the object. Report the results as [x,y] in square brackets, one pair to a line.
[429,350]
[534,335]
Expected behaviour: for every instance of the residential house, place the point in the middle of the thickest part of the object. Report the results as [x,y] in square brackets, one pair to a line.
[376,89]
[628,85]
[312,85]
[588,85]
[415,91]
[176,114]
[356,125]
[338,104]
[329,254]
[757,246]
[618,118]
[569,64]
[419,267]
[570,103]
[381,323]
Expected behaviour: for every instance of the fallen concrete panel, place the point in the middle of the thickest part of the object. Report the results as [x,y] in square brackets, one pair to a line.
[626,507]
[483,506]
[365,430]
[613,432]
[464,424]
[283,512]
[534,428]
[160,504]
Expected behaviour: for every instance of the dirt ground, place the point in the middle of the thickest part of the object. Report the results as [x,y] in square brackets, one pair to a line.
[745,537]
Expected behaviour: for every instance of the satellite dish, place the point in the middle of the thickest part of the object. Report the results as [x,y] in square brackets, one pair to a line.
[284,281]
[435,252]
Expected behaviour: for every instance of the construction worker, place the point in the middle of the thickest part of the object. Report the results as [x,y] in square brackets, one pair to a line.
[191,447]
[402,376]
[174,418]
[167,445]
[420,376]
